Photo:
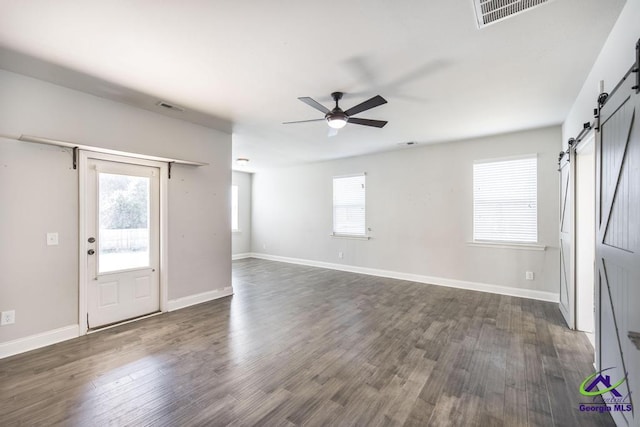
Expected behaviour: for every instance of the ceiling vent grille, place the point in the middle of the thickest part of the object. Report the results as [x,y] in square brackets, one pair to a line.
[491,11]
[168,106]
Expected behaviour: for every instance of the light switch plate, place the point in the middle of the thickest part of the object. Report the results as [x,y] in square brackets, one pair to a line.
[52,239]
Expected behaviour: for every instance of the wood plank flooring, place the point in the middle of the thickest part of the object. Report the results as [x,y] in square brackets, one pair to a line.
[299,345]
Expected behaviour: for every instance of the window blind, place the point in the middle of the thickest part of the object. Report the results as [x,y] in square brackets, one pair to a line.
[234,208]
[505,200]
[349,205]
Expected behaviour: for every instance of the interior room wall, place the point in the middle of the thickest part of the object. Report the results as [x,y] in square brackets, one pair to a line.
[39,194]
[241,240]
[419,208]
[615,59]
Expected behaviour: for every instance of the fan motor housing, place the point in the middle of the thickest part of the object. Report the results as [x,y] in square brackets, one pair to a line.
[336,113]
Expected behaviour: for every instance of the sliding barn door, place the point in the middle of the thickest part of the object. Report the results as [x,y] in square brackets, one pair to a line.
[567,289]
[618,243]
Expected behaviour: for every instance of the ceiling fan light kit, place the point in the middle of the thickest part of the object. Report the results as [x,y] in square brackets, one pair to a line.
[337,122]
[337,118]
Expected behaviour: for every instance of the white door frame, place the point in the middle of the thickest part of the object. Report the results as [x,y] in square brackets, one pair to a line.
[570,312]
[578,149]
[566,241]
[83,157]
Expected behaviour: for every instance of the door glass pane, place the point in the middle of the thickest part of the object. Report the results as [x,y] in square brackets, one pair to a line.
[123,220]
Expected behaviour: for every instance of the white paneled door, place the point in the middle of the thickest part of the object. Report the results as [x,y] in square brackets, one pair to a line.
[122,212]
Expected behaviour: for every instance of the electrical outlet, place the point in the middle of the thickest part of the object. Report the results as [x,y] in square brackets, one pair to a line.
[52,239]
[528,275]
[340,255]
[8,317]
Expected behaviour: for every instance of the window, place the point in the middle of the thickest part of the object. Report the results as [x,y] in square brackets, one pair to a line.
[505,200]
[349,205]
[234,209]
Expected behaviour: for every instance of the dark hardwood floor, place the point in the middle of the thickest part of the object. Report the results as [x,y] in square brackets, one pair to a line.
[299,345]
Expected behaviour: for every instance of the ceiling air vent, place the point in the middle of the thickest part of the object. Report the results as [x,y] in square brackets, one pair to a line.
[168,106]
[491,11]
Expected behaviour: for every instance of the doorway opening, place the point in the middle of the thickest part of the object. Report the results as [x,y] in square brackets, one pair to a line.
[585,235]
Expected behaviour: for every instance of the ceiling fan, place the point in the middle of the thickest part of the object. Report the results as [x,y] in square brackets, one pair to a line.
[337,118]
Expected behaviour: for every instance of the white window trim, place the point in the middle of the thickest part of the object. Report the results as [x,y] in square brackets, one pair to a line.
[507,245]
[506,158]
[350,236]
[349,175]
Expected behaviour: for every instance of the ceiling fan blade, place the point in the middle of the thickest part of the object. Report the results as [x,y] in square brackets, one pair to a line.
[368,122]
[366,105]
[304,121]
[332,132]
[313,103]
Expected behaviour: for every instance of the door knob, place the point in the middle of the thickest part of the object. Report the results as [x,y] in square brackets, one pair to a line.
[91,252]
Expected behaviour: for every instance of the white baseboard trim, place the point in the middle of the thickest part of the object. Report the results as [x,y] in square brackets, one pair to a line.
[43,339]
[439,281]
[184,302]
[54,336]
[240,256]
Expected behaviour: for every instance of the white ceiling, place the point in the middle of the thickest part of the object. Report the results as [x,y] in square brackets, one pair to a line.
[246,62]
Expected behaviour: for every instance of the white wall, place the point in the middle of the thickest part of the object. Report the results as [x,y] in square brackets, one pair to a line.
[419,207]
[241,240]
[39,194]
[615,59]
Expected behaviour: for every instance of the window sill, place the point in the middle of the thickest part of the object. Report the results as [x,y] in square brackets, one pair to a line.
[349,236]
[507,245]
